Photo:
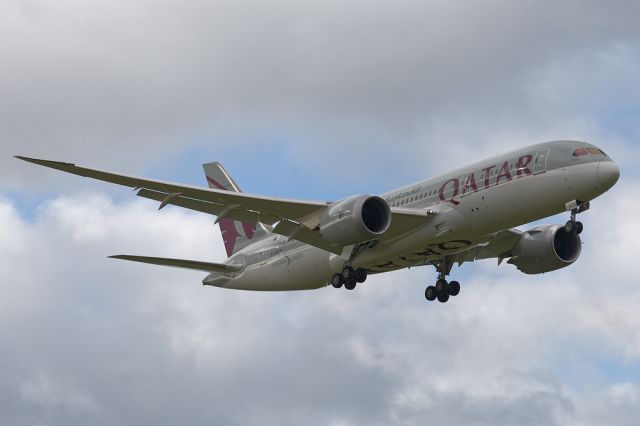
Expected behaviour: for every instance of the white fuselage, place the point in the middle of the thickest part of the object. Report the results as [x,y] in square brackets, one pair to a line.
[470,204]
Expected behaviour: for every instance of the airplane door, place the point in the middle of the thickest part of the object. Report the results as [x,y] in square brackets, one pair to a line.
[540,162]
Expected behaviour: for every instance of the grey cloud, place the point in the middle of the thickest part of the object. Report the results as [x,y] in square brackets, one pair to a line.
[89,339]
[114,81]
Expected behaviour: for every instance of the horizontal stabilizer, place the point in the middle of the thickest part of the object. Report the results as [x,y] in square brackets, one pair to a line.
[181,263]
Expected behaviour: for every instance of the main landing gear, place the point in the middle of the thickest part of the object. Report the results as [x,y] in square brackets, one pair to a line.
[575,207]
[349,277]
[443,289]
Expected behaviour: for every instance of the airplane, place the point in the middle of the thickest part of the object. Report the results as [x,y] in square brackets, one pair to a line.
[276,244]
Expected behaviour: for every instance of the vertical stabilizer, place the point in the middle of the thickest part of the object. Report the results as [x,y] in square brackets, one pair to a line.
[235,234]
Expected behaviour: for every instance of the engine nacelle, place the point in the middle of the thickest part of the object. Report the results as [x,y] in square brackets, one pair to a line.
[546,248]
[355,220]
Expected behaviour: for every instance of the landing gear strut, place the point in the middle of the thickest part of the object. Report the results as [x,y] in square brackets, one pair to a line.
[575,207]
[442,290]
[349,276]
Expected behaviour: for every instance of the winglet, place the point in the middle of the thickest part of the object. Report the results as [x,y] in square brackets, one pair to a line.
[46,163]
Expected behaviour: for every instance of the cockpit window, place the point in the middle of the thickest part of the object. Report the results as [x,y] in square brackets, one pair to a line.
[587,151]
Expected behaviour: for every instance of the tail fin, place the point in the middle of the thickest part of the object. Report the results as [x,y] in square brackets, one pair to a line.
[236,235]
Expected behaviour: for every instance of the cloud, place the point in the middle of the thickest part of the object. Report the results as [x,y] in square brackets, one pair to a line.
[136,82]
[302,97]
[134,343]
[47,393]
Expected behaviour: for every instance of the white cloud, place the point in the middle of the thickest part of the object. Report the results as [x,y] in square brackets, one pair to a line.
[624,393]
[357,96]
[115,337]
[408,81]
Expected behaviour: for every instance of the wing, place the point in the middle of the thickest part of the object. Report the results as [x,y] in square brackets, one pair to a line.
[500,246]
[296,219]
[180,263]
[268,210]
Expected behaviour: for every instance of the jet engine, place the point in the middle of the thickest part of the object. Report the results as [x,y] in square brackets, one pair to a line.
[546,248]
[355,220]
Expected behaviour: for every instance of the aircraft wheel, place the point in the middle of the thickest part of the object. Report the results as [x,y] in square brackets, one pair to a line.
[361,275]
[454,288]
[347,273]
[336,280]
[430,293]
[441,285]
[443,297]
[579,228]
[350,285]
[570,226]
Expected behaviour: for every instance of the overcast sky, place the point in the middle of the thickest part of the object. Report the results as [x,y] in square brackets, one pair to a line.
[316,100]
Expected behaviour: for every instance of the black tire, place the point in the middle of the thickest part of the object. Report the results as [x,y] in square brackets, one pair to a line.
[570,226]
[443,297]
[361,275]
[579,228]
[350,285]
[347,273]
[441,286]
[454,288]
[430,293]
[336,281]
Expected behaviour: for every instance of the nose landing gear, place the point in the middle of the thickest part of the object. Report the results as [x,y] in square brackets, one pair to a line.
[575,207]
[573,226]
[442,289]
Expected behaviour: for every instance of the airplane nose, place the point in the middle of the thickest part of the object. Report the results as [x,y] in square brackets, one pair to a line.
[608,173]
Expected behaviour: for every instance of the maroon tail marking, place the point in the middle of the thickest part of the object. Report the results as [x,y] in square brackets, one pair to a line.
[215,183]
[229,235]
[228,228]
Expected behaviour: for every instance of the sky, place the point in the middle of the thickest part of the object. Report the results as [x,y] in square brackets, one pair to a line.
[316,100]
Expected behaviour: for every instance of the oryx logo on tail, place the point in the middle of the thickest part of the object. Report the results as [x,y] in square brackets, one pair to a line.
[235,234]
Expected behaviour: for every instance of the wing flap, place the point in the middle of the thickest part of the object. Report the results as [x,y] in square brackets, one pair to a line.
[215,209]
[498,246]
[300,232]
[181,263]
